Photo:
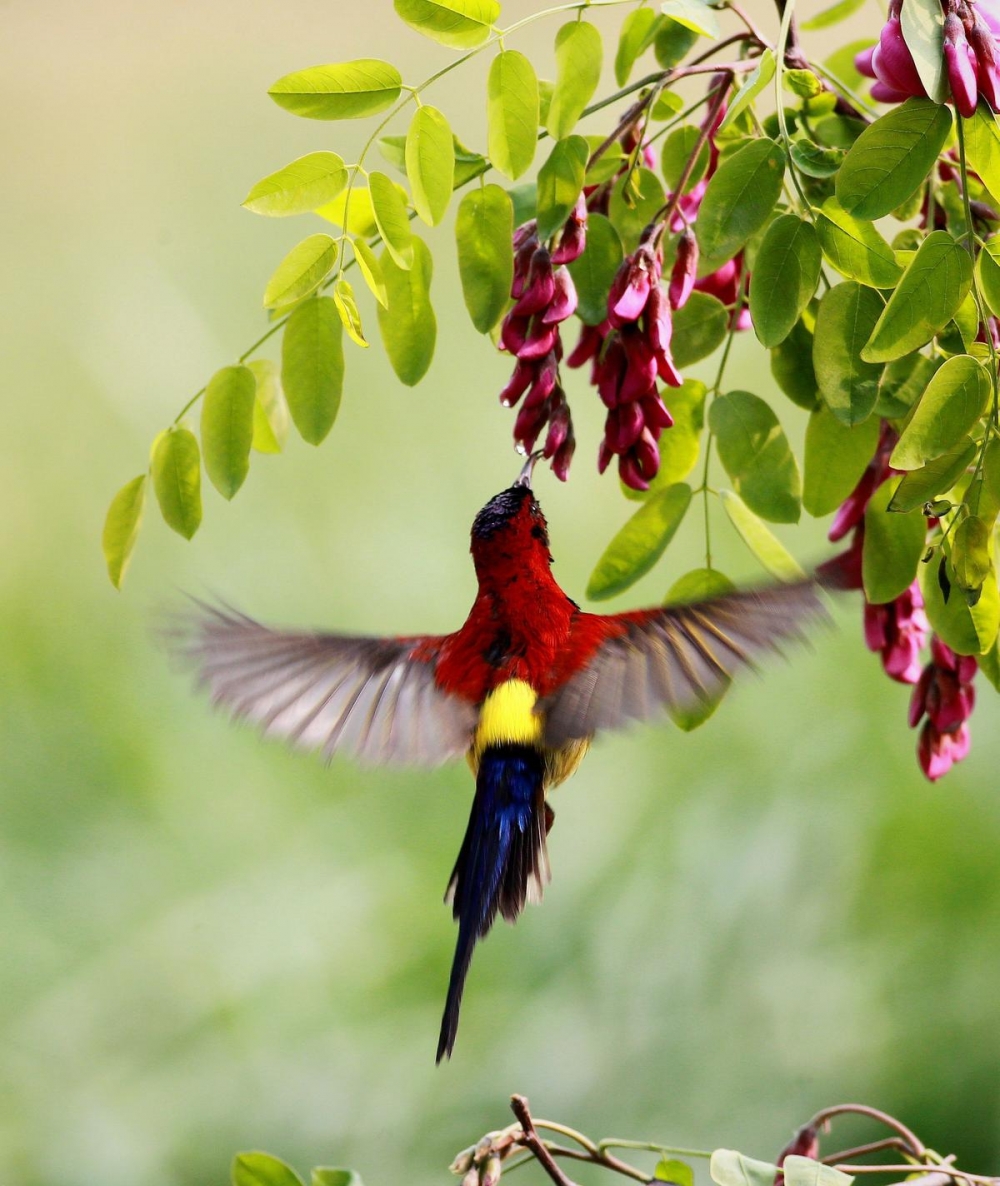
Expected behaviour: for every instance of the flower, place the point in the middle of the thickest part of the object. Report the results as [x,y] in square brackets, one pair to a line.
[805,1143]
[898,631]
[946,695]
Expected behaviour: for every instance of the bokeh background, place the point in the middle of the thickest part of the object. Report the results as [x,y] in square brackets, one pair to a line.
[207,944]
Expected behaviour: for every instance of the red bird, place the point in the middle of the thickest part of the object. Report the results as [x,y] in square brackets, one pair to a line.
[519,690]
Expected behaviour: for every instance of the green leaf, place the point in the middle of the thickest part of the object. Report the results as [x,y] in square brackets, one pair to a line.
[371,271]
[967,630]
[560,181]
[484,227]
[841,65]
[922,26]
[729,1168]
[121,528]
[325,1176]
[989,665]
[832,15]
[347,309]
[468,164]
[839,131]
[988,274]
[312,367]
[640,543]
[982,146]
[970,552]
[227,427]
[579,51]
[700,328]
[408,326]
[306,183]
[512,113]
[177,480]
[815,160]
[891,158]
[785,276]
[673,40]
[676,152]
[753,84]
[261,1169]
[669,103]
[351,210]
[927,297]
[855,248]
[270,411]
[430,163]
[756,455]
[390,218]
[594,270]
[740,197]
[771,554]
[802,82]
[632,206]
[347,90]
[849,385]
[934,479]
[693,15]
[807,1171]
[611,161]
[835,458]
[956,397]
[792,367]
[638,32]
[703,582]
[302,271]
[902,384]
[679,445]
[893,546]
[459,24]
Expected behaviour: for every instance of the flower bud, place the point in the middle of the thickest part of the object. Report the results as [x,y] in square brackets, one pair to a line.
[685,270]
[463,1161]
[491,1171]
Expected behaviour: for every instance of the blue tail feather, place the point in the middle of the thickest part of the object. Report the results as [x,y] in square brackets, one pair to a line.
[503,851]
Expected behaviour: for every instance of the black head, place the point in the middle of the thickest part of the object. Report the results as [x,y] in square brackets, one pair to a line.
[502,510]
[512,524]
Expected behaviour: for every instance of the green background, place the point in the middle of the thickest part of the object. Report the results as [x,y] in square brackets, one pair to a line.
[209,944]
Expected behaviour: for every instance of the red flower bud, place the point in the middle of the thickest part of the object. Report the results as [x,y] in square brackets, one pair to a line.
[685,270]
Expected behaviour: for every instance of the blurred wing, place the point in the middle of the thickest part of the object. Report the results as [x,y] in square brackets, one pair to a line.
[676,658]
[366,696]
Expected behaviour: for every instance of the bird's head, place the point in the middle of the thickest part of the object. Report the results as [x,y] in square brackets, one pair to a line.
[511,527]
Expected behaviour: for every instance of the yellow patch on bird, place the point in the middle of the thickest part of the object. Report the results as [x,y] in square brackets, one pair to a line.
[508,717]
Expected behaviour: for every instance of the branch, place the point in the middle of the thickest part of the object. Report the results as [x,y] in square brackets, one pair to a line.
[531,1140]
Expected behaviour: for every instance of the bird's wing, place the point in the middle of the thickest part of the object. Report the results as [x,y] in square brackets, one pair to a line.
[674,658]
[375,698]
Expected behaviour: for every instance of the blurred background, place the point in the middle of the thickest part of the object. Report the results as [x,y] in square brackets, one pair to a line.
[209,944]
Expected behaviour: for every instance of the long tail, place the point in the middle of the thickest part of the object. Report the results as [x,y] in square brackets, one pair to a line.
[502,863]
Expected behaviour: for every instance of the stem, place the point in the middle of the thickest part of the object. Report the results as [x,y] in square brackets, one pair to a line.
[532,1141]
[666,212]
[913,1141]
[787,8]
[864,1150]
[650,1147]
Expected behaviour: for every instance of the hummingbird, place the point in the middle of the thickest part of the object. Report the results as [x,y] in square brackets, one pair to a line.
[519,690]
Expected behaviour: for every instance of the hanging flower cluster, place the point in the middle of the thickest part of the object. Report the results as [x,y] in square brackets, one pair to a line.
[944,693]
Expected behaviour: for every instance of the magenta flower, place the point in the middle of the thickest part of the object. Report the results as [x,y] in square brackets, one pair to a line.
[946,695]
[898,631]
[685,270]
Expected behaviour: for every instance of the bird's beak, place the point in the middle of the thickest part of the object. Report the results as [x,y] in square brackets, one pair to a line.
[524,477]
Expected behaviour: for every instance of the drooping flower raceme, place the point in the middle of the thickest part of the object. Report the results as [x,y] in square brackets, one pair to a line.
[944,693]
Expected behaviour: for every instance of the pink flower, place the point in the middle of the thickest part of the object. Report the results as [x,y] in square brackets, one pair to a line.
[685,271]
[898,631]
[946,695]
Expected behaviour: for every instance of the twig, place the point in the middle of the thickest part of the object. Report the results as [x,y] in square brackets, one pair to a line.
[531,1140]
[916,1146]
[864,1150]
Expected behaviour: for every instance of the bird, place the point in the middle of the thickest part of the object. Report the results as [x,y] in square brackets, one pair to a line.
[520,690]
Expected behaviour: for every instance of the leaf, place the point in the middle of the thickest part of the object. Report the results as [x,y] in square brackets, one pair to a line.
[261,1169]
[121,528]
[835,458]
[270,411]
[892,548]
[807,1171]
[560,181]
[351,210]
[638,32]
[579,51]
[902,384]
[325,1176]
[957,395]
[347,309]
[792,367]
[459,24]
[891,158]
[700,328]
[484,227]
[841,65]
[967,630]
[989,665]
[371,271]
[729,1168]
[982,146]
[753,84]
[512,113]
[430,163]
[312,367]
[177,480]
[934,479]
[785,275]
[632,206]
[740,198]
[832,15]
[673,40]
[988,274]
[640,543]
[679,445]
[595,269]
[302,271]
[408,326]
[347,90]
[855,248]
[696,586]
[970,552]
[227,427]
[676,152]
[849,385]
[927,297]
[771,554]
[468,164]
[815,160]
[922,25]
[756,455]
[390,218]
[306,183]
[693,15]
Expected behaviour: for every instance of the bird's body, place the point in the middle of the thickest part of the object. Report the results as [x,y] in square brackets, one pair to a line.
[520,689]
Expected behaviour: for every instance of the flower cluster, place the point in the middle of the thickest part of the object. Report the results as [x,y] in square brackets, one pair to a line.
[970,47]
[944,693]
[544,297]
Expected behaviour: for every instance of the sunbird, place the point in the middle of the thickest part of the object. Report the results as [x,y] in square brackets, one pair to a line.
[520,690]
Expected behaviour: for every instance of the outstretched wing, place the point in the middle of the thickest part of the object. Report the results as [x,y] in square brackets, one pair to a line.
[674,658]
[375,698]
